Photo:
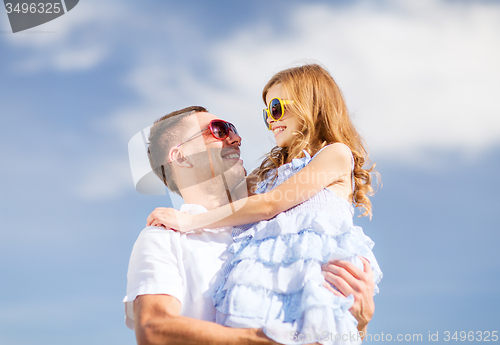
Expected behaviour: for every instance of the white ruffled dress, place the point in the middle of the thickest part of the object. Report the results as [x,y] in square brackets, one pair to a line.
[273,280]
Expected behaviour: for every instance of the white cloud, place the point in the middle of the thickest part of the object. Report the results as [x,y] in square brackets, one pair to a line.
[84,58]
[414,76]
[78,40]
[107,179]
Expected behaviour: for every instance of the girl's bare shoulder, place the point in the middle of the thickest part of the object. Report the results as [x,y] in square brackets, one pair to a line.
[338,152]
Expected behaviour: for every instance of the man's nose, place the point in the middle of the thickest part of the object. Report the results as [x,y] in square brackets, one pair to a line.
[233,139]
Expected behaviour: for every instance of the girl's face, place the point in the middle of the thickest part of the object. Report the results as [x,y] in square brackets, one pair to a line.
[289,123]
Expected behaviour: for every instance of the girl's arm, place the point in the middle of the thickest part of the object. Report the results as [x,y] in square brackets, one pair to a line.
[328,167]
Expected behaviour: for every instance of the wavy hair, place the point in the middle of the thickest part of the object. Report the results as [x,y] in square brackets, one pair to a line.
[324,119]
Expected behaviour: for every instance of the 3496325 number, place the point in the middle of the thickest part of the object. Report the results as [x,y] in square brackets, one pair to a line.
[471,336]
[33,7]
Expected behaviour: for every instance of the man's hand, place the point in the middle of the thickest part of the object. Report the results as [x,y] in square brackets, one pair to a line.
[349,279]
[170,218]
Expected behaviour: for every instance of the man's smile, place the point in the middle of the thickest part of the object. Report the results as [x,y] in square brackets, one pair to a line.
[230,154]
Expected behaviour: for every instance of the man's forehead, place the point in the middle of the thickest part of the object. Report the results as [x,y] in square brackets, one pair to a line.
[204,118]
[201,120]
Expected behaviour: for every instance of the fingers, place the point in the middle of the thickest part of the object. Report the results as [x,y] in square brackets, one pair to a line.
[339,282]
[162,222]
[155,215]
[349,267]
[160,225]
[332,290]
[366,265]
[365,275]
[156,223]
[169,218]
[348,281]
[151,217]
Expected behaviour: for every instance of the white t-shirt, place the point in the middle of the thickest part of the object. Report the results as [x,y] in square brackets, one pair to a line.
[185,266]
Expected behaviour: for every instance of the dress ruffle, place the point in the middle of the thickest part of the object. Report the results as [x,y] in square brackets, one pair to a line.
[289,237]
[275,280]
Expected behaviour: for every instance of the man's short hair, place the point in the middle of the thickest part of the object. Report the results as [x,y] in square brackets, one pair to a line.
[167,132]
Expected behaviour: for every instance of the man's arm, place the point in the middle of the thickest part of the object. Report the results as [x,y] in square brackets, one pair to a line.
[158,322]
[349,279]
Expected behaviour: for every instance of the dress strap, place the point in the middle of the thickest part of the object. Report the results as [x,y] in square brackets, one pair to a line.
[352,172]
[352,164]
[324,147]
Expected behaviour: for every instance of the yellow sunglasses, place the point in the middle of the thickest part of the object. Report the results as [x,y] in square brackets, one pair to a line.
[275,110]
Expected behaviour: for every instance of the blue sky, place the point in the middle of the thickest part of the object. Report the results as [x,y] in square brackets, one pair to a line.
[421,80]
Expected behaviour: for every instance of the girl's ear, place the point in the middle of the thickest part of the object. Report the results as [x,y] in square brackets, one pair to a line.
[177,157]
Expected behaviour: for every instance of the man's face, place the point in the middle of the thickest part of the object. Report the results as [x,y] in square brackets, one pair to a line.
[212,157]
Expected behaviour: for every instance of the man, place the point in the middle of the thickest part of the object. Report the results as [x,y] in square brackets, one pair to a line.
[172,276]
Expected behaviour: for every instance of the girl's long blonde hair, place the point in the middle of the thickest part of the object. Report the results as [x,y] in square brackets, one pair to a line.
[324,119]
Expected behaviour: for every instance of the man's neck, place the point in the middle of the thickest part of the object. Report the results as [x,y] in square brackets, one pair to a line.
[210,194]
[210,202]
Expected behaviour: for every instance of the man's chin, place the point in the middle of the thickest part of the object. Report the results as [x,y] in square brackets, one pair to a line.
[235,176]
[240,190]
[230,162]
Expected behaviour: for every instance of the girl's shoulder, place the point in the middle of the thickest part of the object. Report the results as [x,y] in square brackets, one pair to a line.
[338,152]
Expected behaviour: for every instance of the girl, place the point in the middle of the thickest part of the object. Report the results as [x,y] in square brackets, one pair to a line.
[307,186]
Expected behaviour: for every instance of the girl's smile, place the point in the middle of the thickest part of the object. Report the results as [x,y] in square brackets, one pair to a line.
[278,129]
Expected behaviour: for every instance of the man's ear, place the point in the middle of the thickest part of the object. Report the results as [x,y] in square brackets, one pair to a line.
[176,156]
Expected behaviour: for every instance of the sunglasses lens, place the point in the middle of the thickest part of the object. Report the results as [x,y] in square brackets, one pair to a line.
[219,129]
[264,114]
[275,109]
[232,128]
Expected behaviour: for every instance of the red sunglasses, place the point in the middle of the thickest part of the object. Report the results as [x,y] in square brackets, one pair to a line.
[218,128]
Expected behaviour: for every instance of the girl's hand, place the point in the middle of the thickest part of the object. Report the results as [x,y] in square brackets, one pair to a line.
[170,219]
